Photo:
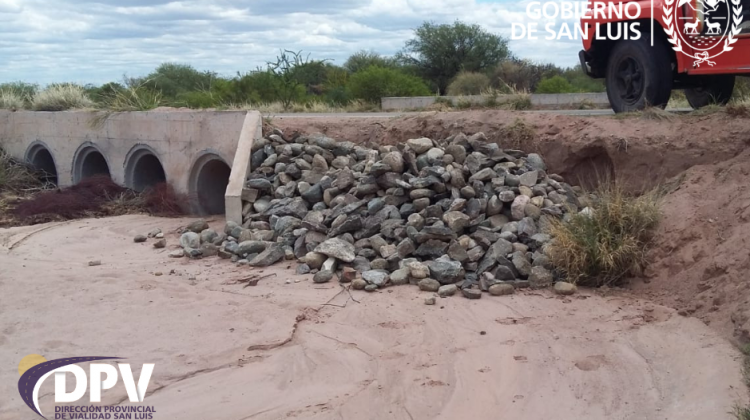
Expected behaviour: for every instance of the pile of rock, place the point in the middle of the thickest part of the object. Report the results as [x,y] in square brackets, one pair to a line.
[455,215]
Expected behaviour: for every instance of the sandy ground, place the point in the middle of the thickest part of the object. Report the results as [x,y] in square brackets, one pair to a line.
[301,350]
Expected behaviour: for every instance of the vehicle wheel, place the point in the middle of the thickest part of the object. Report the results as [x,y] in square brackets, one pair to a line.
[711,90]
[639,75]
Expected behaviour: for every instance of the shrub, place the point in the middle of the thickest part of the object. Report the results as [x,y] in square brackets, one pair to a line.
[134,98]
[556,84]
[60,98]
[15,176]
[375,82]
[609,243]
[11,100]
[468,83]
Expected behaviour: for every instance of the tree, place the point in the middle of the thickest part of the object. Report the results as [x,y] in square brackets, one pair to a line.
[174,79]
[363,59]
[376,82]
[440,52]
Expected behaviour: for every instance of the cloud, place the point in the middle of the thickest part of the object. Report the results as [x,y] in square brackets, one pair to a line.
[88,41]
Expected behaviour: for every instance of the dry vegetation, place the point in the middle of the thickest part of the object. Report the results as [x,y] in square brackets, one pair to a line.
[602,247]
[61,98]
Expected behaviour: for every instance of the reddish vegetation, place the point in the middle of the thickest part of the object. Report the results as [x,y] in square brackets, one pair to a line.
[162,200]
[100,196]
[77,201]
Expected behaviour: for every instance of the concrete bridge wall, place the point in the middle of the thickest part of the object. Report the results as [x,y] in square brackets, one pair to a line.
[194,151]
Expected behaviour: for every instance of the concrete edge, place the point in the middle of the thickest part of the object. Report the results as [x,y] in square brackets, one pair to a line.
[556,99]
[251,129]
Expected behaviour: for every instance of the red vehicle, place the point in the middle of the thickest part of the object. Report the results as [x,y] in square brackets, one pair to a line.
[697,45]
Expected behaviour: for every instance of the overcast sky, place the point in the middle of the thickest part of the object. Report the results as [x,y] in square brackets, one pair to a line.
[89,41]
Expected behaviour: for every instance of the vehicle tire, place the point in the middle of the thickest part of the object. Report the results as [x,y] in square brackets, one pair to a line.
[711,90]
[639,75]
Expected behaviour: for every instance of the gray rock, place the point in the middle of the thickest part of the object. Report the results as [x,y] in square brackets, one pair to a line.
[323,276]
[177,254]
[430,301]
[447,290]
[529,179]
[420,145]
[303,269]
[446,272]
[432,249]
[270,256]
[429,285]
[522,265]
[419,270]
[337,248]
[501,289]
[540,278]
[400,277]
[377,277]
[190,240]
[251,247]
[518,208]
[565,289]
[197,226]
[359,284]
[139,239]
[472,294]
[456,221]
[536,162]
[371,288]
[160,244]
[315,260]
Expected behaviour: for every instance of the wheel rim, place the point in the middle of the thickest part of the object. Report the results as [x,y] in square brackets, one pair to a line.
[629,79]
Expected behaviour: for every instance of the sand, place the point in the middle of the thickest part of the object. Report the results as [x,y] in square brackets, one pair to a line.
[300,350]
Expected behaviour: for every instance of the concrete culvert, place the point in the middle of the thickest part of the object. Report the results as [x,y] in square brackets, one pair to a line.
[144,170]
[40,158]
[89,162]
[210,178]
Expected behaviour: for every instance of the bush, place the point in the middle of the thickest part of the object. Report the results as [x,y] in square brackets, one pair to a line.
[376,82]
[61,98]
[468,83]
[556,84]
[15,176]
[11,100]
[603,247]
[133,98]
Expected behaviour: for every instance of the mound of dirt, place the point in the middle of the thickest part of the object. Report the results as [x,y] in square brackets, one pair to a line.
[702,252]
[640,152]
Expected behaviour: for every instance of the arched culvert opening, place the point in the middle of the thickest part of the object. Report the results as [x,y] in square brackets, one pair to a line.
[143,169]
[40,158]
[89,162]
[208,181]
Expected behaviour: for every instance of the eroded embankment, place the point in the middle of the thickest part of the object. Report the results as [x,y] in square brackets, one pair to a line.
[638,151]
[701,253]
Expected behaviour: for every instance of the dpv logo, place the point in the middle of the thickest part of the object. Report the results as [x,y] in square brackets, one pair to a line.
[35,369]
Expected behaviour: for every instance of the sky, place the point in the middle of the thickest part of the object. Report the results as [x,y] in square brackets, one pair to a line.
[98,41]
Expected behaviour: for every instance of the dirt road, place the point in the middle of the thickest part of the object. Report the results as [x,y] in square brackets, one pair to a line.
[301,350]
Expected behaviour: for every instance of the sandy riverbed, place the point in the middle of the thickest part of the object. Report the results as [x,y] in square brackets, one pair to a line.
[302,350]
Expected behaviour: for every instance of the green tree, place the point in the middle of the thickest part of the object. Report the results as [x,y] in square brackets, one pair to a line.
[174,79]
[376,82]
[440,52]
[363,59]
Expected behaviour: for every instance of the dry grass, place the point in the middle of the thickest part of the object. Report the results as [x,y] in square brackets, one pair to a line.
[61,98]
[134,98]
[657,114]
[520,135]
[12,100]
[314,107]
[15,176]
[611,243]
